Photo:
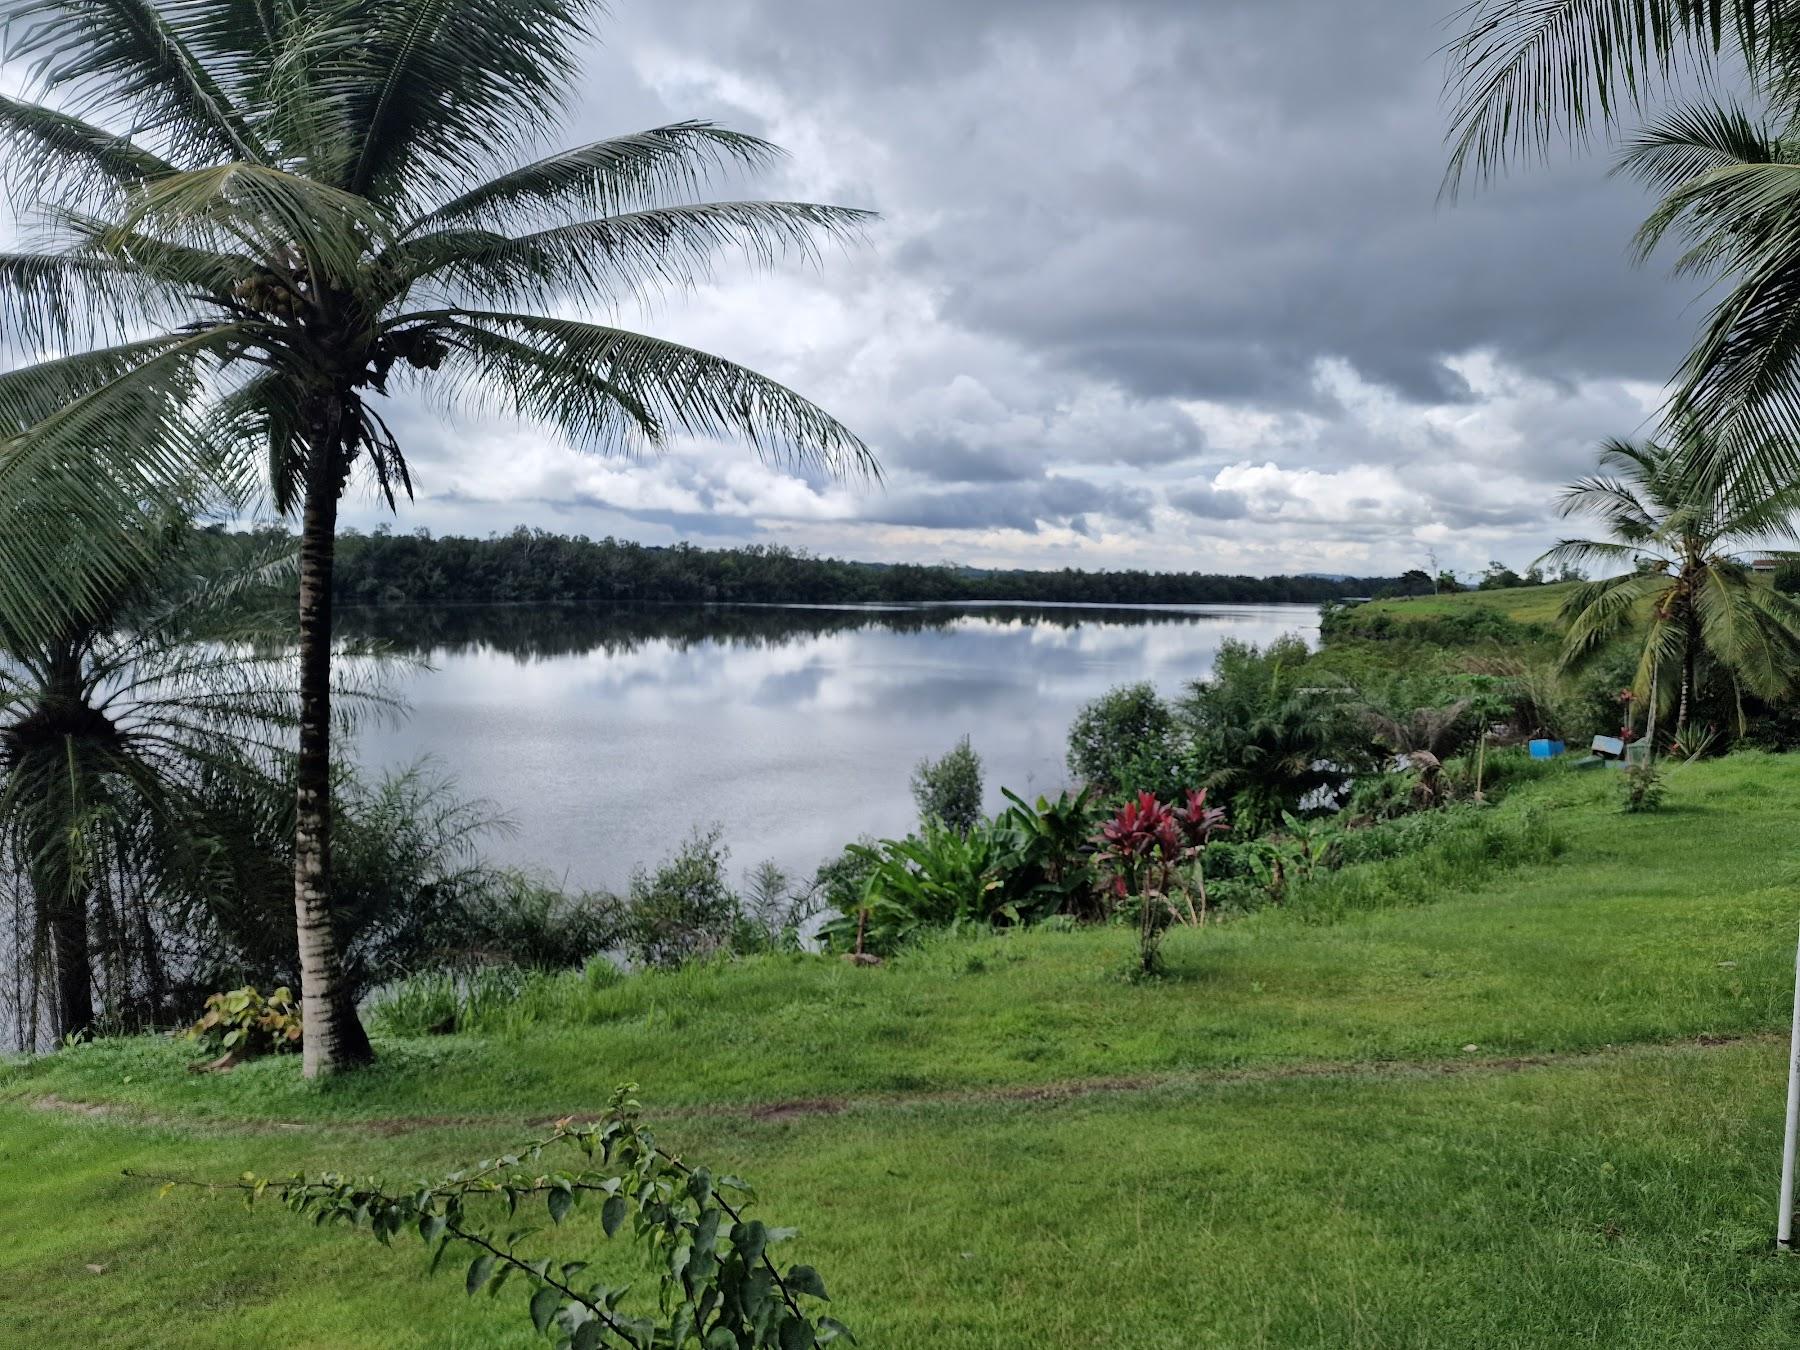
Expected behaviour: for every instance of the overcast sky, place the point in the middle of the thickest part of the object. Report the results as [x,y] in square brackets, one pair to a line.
[1158,283]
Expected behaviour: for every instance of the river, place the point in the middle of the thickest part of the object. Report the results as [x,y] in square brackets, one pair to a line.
[606,737]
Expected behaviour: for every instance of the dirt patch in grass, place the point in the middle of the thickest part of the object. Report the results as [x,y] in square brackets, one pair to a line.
[1047,1093]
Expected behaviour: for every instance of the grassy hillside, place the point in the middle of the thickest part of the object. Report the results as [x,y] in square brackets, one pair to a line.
[1523,604]
[1544,1111]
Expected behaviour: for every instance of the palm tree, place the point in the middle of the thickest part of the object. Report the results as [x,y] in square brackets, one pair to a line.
[109,727]
[1266,733]
[1524,72]
[1731,185]
[302,209]
[1676,520]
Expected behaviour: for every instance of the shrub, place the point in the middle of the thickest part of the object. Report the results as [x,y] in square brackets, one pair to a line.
[937,878]
[775,908]
[1641,788]
[717,1282]
[411,890]
[685,909]
[949,790]
[241,1022]
[1045,861]
[840,882]
[1382,796]
[522,920]
[1145,846]
[1126,736]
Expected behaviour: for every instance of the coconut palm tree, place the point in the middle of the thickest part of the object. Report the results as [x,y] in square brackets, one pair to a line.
[1730,185]
[109,727]
[306,209]
[1678,517]
[1525,72]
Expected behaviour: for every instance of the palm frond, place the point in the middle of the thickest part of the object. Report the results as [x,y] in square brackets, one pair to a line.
[52,153]
[1686,142]
[1597,612]
[618,257]
[1523,73]
[130,54]
[268,210]
[485,369]
[680,388]
[433,86]
[97,460]
[607,177]
[56,299]
[1579,552]
[1753,629]
[34,394]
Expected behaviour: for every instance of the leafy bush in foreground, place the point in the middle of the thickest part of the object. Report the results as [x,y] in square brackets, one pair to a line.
[1642,788]
[717,1284]
[1147,847]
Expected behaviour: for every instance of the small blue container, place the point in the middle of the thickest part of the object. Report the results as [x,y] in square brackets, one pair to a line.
[1546,749]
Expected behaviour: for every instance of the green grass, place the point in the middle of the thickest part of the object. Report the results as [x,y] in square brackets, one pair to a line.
[1522,604]
[1291,1165]
[1624,1202]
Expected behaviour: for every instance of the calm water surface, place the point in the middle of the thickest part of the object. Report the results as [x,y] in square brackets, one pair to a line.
[606,737]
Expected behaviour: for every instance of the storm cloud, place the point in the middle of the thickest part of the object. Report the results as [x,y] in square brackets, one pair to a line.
[1160,283]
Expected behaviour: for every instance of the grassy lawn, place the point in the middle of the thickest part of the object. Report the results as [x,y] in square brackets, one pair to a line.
[1291,1163]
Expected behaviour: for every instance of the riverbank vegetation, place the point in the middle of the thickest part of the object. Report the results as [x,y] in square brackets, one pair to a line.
[1313,979]
[1399,1060]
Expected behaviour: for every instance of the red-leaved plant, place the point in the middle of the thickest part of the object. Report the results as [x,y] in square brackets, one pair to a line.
[1145,845]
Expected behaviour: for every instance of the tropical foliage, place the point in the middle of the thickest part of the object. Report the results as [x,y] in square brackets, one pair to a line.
[1526,72]
[1679,519]
[299,212]
[241,1022]
[115,723]
[717,1280]
[1268,733]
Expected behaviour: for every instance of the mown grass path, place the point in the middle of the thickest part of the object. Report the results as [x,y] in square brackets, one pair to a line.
[1284,1143]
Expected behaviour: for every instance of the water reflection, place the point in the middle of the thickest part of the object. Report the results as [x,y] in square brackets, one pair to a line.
[532,631]
[607,735]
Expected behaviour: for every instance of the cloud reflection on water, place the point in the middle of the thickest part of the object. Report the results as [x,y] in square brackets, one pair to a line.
[607,736]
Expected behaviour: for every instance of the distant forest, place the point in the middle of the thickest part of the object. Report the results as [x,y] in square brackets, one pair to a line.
[535,567]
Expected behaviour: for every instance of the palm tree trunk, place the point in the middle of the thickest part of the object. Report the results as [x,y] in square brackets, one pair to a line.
[334,1038]
[1690,648]
[71,961]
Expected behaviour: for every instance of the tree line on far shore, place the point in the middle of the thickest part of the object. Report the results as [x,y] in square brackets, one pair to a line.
[528,566]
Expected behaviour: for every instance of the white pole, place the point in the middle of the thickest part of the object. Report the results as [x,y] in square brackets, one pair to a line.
[1784,1225]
